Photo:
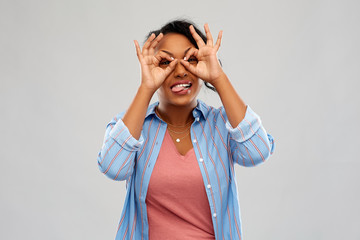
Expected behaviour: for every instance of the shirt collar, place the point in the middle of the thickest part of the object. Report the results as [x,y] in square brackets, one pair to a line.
[151,109]
[201,109]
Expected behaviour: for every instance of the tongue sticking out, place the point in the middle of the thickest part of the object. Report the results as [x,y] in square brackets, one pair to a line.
[178,89]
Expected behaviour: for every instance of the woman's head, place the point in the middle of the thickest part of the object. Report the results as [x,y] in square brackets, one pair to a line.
[181,87]
[181,27]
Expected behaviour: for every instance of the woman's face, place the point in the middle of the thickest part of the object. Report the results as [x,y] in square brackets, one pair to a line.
[181,87]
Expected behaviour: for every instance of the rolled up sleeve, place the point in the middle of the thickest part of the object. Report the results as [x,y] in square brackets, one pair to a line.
[116,158]
[250,143]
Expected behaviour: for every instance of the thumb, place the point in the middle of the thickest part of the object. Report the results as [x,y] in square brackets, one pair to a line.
[171,67]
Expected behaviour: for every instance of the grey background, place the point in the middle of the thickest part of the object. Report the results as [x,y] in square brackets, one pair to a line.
[67,67]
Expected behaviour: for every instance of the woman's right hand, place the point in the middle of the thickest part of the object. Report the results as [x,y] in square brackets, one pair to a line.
[154,67]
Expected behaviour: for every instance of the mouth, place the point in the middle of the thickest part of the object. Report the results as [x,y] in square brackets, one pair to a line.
[181,88]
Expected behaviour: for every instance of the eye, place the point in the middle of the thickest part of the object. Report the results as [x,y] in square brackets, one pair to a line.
[164,62]
[192,60]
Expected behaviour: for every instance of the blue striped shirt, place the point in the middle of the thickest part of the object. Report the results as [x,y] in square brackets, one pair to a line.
[217,147]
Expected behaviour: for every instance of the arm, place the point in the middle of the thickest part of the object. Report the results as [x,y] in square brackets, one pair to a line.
[249,142]
[152,76]
[234,106]
[209,70]
[116,158]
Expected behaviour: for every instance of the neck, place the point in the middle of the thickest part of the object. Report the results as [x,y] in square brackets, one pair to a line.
[176,115]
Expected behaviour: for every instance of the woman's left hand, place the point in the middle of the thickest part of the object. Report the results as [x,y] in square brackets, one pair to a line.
[208,67]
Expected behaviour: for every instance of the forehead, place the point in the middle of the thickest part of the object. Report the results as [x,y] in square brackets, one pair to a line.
[174,43]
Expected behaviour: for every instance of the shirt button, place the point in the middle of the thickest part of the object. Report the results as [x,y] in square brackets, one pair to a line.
[197,119]
[209,186]
[201,160]
[194,140]
[214,215]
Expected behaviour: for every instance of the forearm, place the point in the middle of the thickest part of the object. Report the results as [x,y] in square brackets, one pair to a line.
[234,106]
[135,115]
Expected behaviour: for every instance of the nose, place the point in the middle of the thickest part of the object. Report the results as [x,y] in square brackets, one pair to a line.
[180,71]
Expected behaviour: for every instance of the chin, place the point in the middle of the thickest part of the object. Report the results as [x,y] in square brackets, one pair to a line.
[183,102]
[179,101]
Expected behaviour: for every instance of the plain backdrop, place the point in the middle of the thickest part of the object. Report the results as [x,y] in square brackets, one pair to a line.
[67,67]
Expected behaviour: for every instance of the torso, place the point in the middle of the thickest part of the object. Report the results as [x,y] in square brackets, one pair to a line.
[177,203]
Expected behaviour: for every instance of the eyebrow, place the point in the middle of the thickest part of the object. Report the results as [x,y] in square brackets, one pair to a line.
[173,54]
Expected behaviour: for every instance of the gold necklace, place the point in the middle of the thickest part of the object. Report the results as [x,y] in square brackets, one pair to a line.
[178,139]
[176,126]
[178,132]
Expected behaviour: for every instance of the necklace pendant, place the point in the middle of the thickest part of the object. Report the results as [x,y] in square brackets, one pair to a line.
[177,140]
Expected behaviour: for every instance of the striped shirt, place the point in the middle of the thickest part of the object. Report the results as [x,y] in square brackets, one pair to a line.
[217,147]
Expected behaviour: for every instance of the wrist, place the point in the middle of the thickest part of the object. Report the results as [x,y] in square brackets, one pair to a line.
[219,81]
[146,91]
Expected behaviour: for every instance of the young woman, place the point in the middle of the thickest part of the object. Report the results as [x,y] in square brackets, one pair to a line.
[178,154]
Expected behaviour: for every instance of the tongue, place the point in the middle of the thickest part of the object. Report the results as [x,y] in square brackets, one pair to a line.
[177,89]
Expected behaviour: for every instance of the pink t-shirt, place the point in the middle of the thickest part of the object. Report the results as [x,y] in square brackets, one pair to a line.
[177,205]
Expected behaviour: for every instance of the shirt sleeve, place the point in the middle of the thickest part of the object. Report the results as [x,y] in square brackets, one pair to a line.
[116,158]
[250,144]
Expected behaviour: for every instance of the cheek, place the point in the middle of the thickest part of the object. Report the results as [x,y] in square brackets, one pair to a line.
[161,91]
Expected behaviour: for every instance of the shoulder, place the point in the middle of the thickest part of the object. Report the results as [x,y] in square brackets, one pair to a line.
[211,112]
[150,113]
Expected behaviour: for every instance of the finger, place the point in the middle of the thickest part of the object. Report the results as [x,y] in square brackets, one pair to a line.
[191,68]
[196,36]
[209,37]
[154,43]
[218,41]
[148,42]
[192,52]
[161,55]
[171,67]
[138,51]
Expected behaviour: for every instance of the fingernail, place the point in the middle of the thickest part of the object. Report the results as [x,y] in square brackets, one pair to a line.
[185,58]
[172,58]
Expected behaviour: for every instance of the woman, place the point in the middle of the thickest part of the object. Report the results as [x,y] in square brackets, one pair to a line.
[178,154]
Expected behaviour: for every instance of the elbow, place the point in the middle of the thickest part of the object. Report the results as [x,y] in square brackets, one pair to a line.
[257,155]
[111,174]
[262,152]
[113,170]
[262,155]
[104,169]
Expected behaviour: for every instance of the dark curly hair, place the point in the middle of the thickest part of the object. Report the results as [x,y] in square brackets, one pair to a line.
[181,26]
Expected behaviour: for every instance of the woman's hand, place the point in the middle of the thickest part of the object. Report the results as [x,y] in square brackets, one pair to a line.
[152,75]
[208,67]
